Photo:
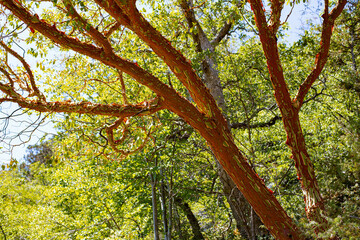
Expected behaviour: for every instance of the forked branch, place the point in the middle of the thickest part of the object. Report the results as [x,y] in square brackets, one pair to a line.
[276,7]
[98,37]
[322,56]
[174,101]
[176,61]
[35,90]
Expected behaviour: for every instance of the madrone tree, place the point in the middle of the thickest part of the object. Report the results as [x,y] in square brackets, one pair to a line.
[95,38]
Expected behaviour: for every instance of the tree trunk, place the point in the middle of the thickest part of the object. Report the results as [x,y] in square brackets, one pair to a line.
[154,207]
[289,107]
[240,207]
[170,195]
[205,117]
[314,203]
[178,224]
[247,222]
[163,205]
[191,217]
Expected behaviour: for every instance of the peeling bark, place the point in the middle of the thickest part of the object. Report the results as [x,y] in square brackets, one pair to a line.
[289,108]
[206,117]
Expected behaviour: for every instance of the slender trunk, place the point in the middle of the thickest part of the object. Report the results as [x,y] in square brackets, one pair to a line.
[353,59]
[112,216]
[191,217]
[252,222]
[170,219]
[154,207]
[163,204]
[238,204]
[170,202]
[178,224]
[351,46]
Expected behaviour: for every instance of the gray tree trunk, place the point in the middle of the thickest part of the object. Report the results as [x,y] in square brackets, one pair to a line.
[195,226]
[154,207]
[248,222]
[163,205]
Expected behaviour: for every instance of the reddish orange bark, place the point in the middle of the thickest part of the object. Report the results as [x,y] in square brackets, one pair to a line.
[290,108]
[205,117]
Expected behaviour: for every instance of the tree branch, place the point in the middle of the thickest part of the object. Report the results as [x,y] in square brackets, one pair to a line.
[173,101]
[192,22]
[270,48]
[209,66]
[7,75]
[322,56]
[276,8]
[35,89]
[222,33]
[98,37]
[245,125]
[114,110]
[176,61]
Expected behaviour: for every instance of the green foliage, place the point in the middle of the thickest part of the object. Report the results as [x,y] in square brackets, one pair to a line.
[77,187]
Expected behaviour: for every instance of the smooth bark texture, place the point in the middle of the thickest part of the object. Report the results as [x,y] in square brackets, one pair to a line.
[154,207]
[205,116]
[163,206]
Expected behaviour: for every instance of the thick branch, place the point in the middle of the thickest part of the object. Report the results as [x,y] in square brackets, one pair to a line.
[269,43]
[115,110]
[178,64]
[322,56]
[222,33]
[117,12]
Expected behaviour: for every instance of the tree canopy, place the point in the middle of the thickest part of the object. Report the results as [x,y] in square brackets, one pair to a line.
[165,109]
